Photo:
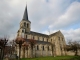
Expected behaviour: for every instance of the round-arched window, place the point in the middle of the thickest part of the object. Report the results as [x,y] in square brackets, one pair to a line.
[25,24]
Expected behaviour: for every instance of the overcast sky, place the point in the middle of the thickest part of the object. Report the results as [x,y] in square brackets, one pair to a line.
[45,16]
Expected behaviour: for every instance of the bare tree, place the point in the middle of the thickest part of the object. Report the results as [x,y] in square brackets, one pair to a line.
[25,45]
[3,43]
[12,46]
[32,42]
[74,46]
[19,41]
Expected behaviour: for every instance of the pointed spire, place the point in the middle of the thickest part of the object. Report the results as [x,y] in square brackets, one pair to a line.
[25,16]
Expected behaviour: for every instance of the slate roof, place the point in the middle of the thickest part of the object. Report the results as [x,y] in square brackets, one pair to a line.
[40,42]
[36,33]
[25,16]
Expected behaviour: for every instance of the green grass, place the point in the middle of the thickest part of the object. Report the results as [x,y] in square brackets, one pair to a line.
[54,58]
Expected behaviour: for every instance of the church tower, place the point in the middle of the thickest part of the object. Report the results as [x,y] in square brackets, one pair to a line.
[24,24]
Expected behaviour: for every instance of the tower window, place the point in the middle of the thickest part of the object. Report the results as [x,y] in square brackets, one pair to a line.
[25,24]
[18,34]
[22,30]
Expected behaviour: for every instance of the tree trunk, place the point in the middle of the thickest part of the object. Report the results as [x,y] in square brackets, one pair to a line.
[23,52]
[76,53]
[19,52]
[31,52]
[35,51]
[2,53]
[27,53]
[52,51]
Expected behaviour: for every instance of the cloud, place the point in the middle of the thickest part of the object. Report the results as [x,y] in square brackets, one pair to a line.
[71,34]
[43,15]
[70,17]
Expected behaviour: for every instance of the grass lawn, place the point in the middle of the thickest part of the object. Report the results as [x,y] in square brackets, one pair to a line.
[54,58]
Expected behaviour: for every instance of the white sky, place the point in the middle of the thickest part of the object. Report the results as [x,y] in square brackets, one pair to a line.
[44,15]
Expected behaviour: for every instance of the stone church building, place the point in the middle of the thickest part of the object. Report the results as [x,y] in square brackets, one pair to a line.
[46,45]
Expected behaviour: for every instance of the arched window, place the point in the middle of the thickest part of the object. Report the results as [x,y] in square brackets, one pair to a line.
[22,30]
[25,24]
[48,48]
[59,38]
[26,36]
[43,47]
[47,40]
[33,37]
[43,39]
[62,39]
[38,38]
[51,40]
[18,34]
[37,47]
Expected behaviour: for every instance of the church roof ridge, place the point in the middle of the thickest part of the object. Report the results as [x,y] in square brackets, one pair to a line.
[39,33]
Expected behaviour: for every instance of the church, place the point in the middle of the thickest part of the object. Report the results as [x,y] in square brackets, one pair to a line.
[46,45]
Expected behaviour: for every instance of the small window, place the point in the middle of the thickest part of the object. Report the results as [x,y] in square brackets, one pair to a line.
[43,39]
[37,47]
[25,24]
[38,38]
[59,38]
[22,30]
[33,37]
[26,36]
[61,48]
[47,40]
[48,48]
[43,47]
[62,39]
[18,34]
[51,40]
